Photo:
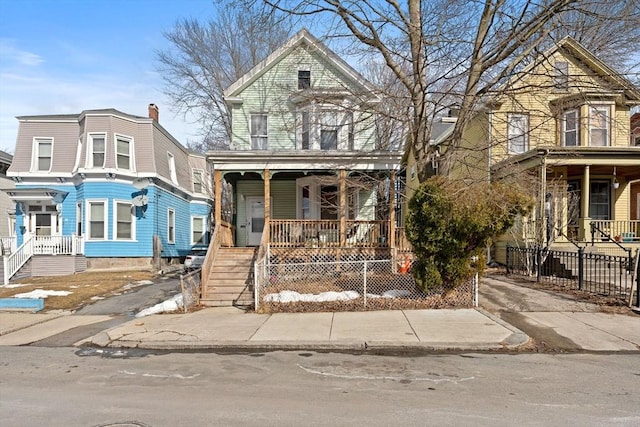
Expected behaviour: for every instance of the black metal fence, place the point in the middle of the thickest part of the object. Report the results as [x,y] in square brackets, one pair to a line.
[587,271]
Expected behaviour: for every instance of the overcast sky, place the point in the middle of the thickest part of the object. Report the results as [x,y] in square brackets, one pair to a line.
[65,56]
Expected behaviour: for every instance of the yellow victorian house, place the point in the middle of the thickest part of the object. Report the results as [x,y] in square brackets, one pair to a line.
[562,124]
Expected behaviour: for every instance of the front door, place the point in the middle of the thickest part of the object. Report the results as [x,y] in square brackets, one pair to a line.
[255,220]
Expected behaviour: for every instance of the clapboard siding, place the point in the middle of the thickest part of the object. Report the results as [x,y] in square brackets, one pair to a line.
[271,93]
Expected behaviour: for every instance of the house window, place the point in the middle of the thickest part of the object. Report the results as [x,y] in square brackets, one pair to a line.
[518,128]
[259,139]
[44,147]
[305,202]
[123,153]
[598,126]
[304,79]
[97,220]
[636,140]
[561,75]
[570,128]
[351,128]
[329,131]
[172,168]
[97,150]
[197,181]
[329,202]
[600,200]
[198,230]
[305,131]
[171,226]
[124,226]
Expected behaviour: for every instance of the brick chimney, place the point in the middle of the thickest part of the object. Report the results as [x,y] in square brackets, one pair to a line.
[154,113]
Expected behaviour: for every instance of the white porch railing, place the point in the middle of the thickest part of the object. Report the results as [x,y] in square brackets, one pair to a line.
[12,263]
[8,244]
[58,245]
[40,245]
[620,231]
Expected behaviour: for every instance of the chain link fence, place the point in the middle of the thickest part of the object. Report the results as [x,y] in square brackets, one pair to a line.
[351,285]
[190,285]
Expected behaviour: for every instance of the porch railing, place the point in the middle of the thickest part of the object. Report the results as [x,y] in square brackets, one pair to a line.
[619,231]
[12,263]
[58,245]
[326,233]
[222,236]
[8,245]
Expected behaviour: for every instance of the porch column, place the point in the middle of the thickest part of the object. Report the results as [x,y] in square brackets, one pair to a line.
[392,210]
[267,205]
[343,207]
[217,185]
[585,220]
[543,200]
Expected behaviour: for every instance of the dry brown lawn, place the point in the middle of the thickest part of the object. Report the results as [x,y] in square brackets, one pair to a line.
[83,287]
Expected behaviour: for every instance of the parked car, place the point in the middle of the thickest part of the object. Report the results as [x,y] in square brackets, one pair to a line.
[195,259]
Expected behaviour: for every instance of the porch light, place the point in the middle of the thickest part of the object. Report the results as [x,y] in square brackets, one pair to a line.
[616,184]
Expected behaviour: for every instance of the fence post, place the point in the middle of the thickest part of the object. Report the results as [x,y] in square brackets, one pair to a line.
[5,269]
[508,259]
[580,268]
[538,264]
[364,283]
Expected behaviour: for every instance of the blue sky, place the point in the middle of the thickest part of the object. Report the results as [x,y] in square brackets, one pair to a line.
[65,56]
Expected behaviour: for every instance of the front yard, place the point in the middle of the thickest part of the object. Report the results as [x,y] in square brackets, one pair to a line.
[83,288]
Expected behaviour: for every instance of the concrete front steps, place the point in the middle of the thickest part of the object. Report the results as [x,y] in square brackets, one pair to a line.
[230,282]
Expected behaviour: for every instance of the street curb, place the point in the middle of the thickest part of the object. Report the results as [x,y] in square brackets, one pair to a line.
[300,346]
[517,337]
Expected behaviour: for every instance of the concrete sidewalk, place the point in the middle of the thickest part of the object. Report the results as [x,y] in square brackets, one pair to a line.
[465,329]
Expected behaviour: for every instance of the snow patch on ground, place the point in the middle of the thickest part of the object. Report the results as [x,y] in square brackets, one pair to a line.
[292,296]
[42,293]
[16,285]
[172,304]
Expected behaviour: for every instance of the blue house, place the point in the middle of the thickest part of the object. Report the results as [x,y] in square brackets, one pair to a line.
[106,189]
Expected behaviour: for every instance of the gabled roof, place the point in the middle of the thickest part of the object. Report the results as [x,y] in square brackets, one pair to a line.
[589,59]
[302,37]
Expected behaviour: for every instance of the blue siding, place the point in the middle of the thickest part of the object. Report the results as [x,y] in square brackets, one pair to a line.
[149,221]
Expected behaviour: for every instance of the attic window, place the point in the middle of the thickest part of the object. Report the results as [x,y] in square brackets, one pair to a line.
[304,79]
[561,75]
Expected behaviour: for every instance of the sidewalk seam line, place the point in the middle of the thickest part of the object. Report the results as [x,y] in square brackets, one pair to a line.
[411,326]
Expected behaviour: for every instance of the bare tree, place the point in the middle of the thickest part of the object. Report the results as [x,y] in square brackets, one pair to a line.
[207,57]
[448,51]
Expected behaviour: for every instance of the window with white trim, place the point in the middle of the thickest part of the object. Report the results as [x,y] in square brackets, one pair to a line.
[97,213]
[172,168]
[198,181]
[44,152]
[599,126]
[304,78]
[198,230]
[570,128]
[305,131]
[97,146]
[561,75]
[124,221]
[123,152]
[171,226]
[259,129]
[329,130]
[517,130]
